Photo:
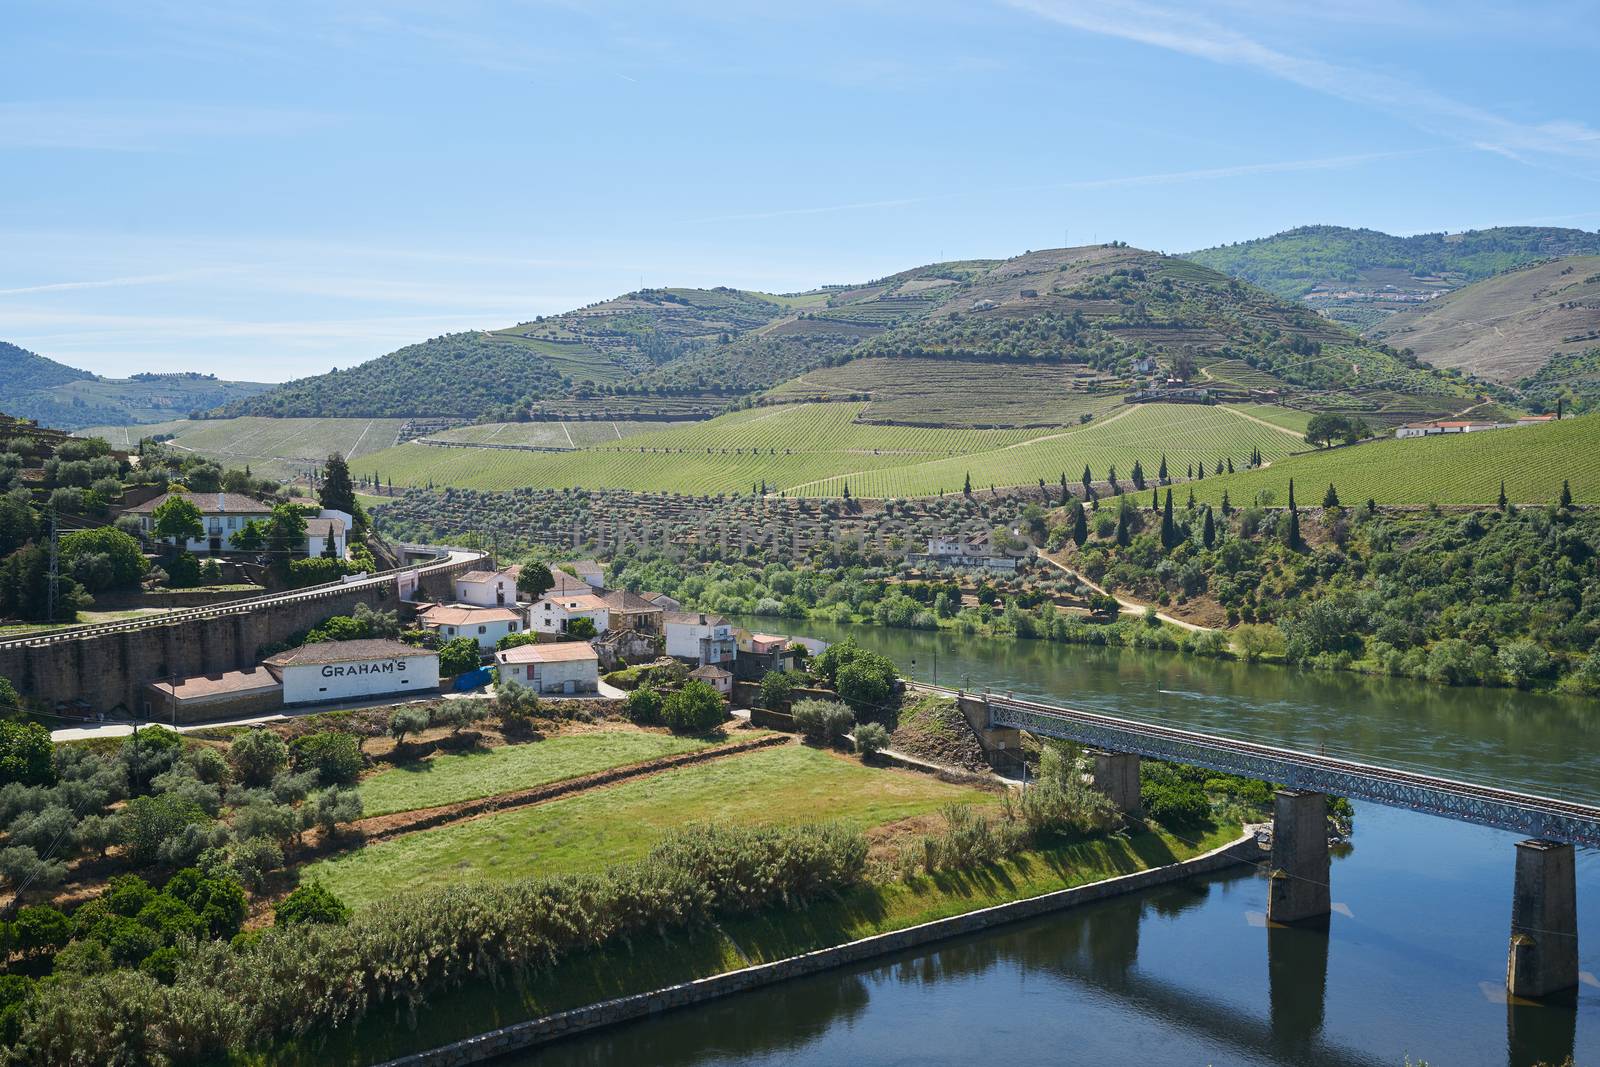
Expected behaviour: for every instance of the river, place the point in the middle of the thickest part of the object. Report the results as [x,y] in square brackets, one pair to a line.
[1412,964]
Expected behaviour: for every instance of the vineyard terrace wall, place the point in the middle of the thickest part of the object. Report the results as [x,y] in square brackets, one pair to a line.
[106,673]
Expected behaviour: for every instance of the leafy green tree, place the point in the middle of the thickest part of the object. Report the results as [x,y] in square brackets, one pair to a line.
[25,747]
[148,822]
[871,738]
[257,756]
[410,719]
[776,690]
[643,706]
[695,709]
[459,655]
[25,588]
[1330,499]
[176,519]
[311,903]
[824,721]
[867,684]
[126,562]
[334,755]
[534,580]
[285,531]
[183,571]
[337,491]
[581,628]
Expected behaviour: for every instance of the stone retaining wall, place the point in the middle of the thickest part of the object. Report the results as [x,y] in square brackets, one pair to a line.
[535,1032]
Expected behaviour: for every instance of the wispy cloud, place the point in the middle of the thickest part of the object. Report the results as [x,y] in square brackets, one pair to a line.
[135,126]
[1189,33]
[101,283]
[1128,180]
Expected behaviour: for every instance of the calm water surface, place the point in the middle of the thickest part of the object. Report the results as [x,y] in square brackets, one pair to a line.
[1412,964]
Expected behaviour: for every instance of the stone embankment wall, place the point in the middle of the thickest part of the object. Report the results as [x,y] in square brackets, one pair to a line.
[535,1032]
[106,672]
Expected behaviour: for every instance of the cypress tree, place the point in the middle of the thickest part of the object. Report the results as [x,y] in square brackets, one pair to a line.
[1155,500]
[1138,475]
[1169,534]
[1230,464]
[1191,472]
[1330,499]
[1191,498]
[966,487]
[1088,482]
[1080,525]
[1161,475]
[1200,471]
[1294,519]
[1065,496]
[1566,494]
[847,490]
[1227,508]
[1111,479]
[1219,467]
[1208,533]
[1501,503]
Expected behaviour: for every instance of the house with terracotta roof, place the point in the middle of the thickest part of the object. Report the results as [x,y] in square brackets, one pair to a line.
[630,611]
[221,516]
[484,625]
[759,654]
[563,667]
[488,588]
[715,677]
[553,614]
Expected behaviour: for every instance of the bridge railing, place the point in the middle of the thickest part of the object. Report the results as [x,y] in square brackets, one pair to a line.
[1537,816]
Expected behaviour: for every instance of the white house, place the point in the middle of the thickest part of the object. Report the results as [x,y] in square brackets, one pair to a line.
[553,614]
[221,516]
[564,584]
[715,677]
[561,667]
[325,536]
[700,638]
[484,625]
[961,552]
[590,571]
[344,670]
[488,589]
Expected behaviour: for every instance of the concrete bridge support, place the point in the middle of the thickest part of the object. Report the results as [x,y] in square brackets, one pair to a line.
[1299,883]
[1544,921]
[1116,774]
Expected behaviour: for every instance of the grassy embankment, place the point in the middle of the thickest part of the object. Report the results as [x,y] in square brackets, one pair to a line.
[591,830]
[644,965]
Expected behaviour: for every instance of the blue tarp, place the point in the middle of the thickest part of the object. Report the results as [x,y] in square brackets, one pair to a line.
[476,679]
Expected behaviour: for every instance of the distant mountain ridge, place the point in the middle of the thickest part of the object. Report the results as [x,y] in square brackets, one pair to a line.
[54,394]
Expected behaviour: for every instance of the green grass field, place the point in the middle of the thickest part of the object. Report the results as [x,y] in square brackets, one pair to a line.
[658,962]
[570,434]
[446,779]
[588,831]
[1464,469]
[817,449]
[274,448]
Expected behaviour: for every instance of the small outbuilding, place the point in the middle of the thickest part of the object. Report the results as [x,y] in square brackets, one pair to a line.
[715,677]
[562,667]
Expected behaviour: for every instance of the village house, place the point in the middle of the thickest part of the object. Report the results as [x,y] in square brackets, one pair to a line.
[663,601]
[1449,426]
[221,516]
[700,638]
[630,611]
[484,625]
[488,589]
[964,553]
[590,572]
[325,536]
[564,584]
[564,667]
[760,654]
[715,677]
[553,614]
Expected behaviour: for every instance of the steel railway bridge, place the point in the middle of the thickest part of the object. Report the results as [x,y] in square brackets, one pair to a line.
[1543,957]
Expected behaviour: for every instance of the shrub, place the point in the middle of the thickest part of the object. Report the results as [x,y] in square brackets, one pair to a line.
[777,689]
[25,749]
[581,628]
[871,738]
[514,705]
[458,713]
[643,706]
[41,928]
[217,901]
[154,828]
[823,721]
[458,656]
[411,719]
[695,709]
[183,572]
[311,903]
[334,806]
[333,754]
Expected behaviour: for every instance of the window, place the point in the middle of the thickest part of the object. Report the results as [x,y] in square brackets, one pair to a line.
[483,629]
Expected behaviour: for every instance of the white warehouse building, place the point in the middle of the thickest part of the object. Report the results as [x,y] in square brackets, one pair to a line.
[346,670]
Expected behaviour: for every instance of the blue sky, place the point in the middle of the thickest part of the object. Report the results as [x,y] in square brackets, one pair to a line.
[267,190]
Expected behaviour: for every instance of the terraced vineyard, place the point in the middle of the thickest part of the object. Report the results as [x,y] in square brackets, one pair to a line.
[551,434]
[1459,469]
[819,449]
[273,448]
[957,392]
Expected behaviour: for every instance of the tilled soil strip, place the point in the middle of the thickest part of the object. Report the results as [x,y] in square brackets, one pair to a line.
[382,827]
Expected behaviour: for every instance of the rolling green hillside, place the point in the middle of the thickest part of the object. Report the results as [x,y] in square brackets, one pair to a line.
[272,448]
[67,398]
[820,449]
[1361,277]
[1462,469]
[1507,327]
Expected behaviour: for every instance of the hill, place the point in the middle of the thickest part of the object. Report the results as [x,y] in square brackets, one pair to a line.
[1532,461]
[1361,277]
[1507,327]
[68,398]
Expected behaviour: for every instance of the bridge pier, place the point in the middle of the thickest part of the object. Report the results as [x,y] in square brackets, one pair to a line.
[1300,869]
[1544,921]
[1116,774]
